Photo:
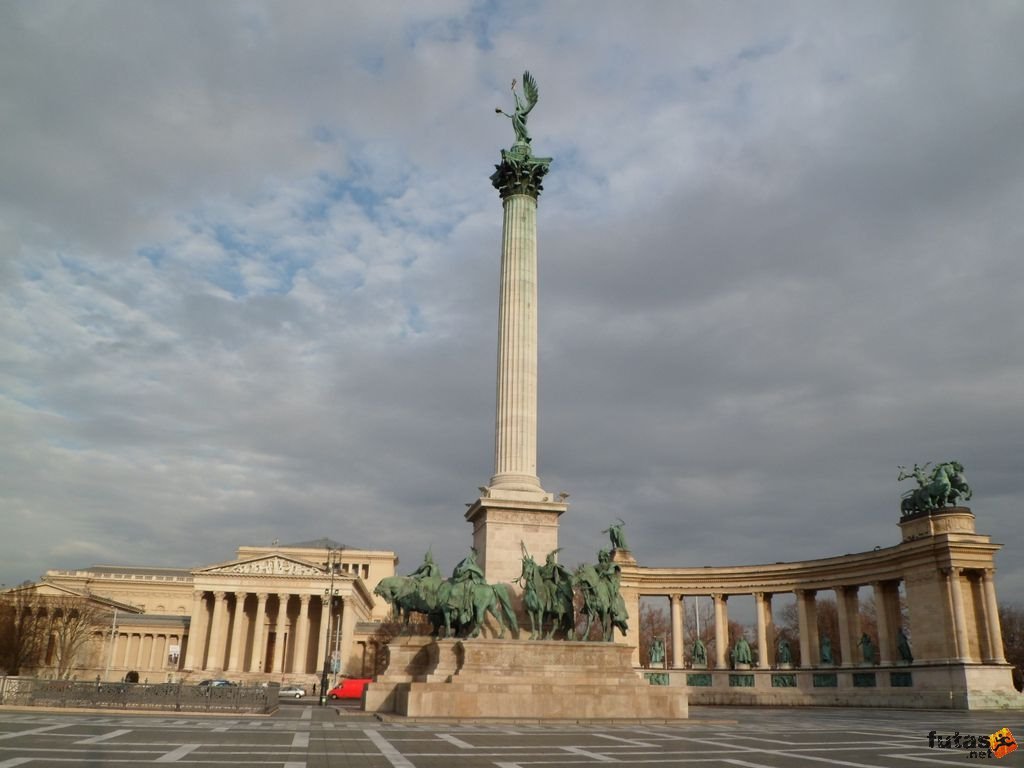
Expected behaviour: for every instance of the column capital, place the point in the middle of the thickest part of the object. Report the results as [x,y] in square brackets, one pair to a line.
[305,598]
[220,595]
[262,596]
[720,597]
[520,173]
[241,596]
[674,599]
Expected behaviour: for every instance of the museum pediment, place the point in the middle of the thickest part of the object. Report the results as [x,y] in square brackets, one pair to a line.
[275,565]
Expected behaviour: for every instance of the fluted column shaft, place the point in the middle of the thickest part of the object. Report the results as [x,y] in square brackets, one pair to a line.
[259,634]
[515,440]
[848,608]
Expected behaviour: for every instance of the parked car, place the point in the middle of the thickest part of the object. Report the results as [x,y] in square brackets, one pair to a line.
[350,688]
[214,683]
[292,690]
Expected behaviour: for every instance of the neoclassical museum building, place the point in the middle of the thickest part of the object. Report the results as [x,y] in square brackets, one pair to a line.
[273,613]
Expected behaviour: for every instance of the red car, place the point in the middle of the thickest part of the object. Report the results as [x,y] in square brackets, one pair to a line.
[350,688]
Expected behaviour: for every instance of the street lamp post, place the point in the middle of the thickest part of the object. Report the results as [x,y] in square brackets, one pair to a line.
[329,594]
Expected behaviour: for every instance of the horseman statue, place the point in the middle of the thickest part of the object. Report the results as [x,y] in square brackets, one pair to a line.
[547,596]
[602,601]
[455,607]
[946,486]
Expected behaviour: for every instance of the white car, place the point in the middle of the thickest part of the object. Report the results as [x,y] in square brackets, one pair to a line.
[292,690]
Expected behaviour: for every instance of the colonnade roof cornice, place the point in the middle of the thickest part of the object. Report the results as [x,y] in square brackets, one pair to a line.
[856,569]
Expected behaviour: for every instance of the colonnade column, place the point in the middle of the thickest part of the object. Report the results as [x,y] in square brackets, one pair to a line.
[196,633]
[676,609]
[849,622]
[152,652]
[882,621]
[301,662]
[279,642]
[721,629]
[807,616]
[763,611]
[959,620]
[237,645]
[259,633]
[995,632]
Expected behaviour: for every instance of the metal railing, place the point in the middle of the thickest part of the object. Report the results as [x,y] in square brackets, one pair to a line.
[172,697]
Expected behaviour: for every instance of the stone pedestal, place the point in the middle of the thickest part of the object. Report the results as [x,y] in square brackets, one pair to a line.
[532,680]
[502,524]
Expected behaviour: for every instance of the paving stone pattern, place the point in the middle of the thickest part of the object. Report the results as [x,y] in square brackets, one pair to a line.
[305,736]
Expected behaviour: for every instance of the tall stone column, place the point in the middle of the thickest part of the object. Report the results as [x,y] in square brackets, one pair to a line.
[301,662]
[807,616]
[995,632]
[217,633]
[348,626]
[196,634]
[963,650]
[763,609]
[237,646]
[259,634]
[514,507]
[325,630]
[882,622]
[721,630]
[279,642]
[848,608]
[677,609]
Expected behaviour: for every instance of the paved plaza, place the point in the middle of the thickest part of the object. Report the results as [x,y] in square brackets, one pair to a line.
[302,735]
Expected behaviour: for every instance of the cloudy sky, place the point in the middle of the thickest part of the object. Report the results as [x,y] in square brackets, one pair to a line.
[249,273]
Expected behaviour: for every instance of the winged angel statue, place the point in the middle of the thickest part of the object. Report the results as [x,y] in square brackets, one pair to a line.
[523,107]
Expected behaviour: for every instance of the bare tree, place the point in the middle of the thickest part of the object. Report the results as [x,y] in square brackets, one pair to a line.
[22,629]
[72,621]
[1011,619]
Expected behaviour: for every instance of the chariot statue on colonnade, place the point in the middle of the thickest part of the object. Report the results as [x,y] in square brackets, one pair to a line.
[946,486]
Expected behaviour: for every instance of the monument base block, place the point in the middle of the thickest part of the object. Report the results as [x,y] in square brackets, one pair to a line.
[518,680]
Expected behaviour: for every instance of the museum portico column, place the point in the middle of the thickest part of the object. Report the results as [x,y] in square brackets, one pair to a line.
[237,645]
[259,633]
[325,630]
[677,609]
[217,634]
[348,625]
[300,662]
[721,630]
[807,617]
[963,651]
[763,609]
[995,632]
[279,640]
[196,633]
